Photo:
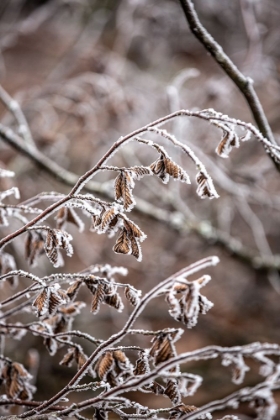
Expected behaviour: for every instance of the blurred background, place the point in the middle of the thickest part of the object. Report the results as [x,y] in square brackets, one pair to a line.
[86,72]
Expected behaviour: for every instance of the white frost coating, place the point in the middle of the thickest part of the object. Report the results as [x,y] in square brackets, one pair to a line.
[13,105]
[12,191]
[5,173]
[247,136]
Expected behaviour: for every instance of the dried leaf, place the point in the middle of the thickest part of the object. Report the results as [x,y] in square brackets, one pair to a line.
[205,186]
[122,245]
[135,248]
[54,301]
[104,365]
[80,357]
[98,298]
[140,171]
[107,218]
[34,247]
[118,186]
[133,230]
[176,171]
[72,309]
[68,358]
[68,214]
[51,345]
[165,351]
[142,365]
[172,391]
[73,289]
[122,362]
[132,295]
[40,303]
[114,301]
[57,239]
[154,387]
[158,168]
[180,409]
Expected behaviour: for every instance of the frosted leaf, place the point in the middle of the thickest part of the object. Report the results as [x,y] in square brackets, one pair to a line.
[191,304]
[239,368]
[205,185]
[124,185]
[57,239]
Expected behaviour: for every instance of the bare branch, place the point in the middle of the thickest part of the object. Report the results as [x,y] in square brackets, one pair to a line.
[245,84]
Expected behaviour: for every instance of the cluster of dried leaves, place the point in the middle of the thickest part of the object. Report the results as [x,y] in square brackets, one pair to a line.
[115,370]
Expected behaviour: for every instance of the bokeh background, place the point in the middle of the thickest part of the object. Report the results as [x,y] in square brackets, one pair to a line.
[86,72]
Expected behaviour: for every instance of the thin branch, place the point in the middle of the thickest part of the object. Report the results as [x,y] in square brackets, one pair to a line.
[193,268]
[172,219]
[245,84]
[13,106]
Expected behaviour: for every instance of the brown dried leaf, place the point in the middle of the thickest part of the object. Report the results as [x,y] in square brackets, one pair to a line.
[54,301]
[222,146]
[158,168]
[180,409]
[98,298]
[13,386]
[80,357]
[142,365]
[68,358]
[107,218]
[179,288]
[133,230]
[72,309]
[154,387]
[122,362]
[118,187]
[131,295]
[135,248]
[176,171]
[114,301]
[91,283]
[73,289]
[40,303]
[34,247]
[67,214]
[165,351]
[51,345]
[122,245]
[172,391]
[61,217]
[141,171]
[104,365]
[127,185]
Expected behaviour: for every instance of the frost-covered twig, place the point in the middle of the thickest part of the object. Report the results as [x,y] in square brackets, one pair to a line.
[245,84]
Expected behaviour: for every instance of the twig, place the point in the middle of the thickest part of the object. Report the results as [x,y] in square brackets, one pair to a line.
[13,106]
[245,84]
[122,333]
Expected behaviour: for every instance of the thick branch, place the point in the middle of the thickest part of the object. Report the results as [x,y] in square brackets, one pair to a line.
[245,84]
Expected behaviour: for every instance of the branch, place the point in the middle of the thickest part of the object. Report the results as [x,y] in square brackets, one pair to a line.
[13,106]
[207,232]
[245,84]
[193,268]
